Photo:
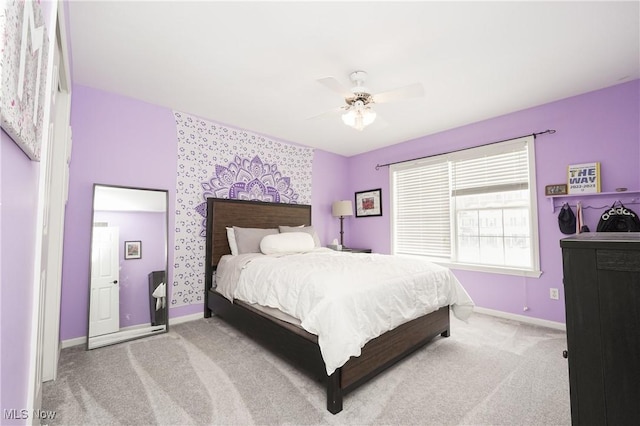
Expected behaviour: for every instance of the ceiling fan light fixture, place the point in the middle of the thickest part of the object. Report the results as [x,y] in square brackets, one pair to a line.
[359,118]
[357,112]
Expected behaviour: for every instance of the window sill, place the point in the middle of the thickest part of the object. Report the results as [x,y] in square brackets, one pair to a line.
[491,269]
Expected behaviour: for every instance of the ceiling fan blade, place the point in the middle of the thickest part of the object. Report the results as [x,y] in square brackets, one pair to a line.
[336,86]
[414,90]
[326,114]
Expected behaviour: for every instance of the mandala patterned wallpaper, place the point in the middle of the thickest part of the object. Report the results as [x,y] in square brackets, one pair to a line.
[223,162]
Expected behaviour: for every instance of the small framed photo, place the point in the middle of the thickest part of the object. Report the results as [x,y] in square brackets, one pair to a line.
[133,249]
[369,203]
[558,189]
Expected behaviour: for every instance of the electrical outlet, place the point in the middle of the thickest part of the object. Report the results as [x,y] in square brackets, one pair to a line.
[553,293]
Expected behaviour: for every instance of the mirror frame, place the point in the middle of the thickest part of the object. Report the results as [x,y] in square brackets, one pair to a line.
[166,263]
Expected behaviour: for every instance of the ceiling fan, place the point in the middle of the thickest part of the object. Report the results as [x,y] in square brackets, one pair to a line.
[358,112]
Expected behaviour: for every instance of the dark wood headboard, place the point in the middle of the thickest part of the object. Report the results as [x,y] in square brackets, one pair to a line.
[247,214]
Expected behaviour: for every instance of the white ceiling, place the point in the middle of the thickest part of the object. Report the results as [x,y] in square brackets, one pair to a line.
[255,65]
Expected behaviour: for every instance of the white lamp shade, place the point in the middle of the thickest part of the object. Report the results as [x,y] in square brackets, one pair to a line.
[342,208]
[359,118]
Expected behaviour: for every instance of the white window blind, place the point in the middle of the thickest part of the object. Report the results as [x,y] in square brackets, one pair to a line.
[473,206]
[421,211]
[508,171]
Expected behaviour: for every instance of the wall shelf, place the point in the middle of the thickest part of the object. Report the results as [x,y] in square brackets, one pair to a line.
[624,194]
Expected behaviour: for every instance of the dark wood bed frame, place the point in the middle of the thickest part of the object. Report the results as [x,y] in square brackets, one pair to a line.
[289,341]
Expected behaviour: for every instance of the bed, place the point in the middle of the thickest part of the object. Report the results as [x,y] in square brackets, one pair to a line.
[289,340]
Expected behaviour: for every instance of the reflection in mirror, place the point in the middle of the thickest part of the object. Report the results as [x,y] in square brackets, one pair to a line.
[128,291]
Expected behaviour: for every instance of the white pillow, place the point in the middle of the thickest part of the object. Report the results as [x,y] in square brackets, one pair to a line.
[289,242]
[308,229]
[231,237]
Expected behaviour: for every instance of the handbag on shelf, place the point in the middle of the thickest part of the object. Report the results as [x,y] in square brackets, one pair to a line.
[567,220]
[619,218]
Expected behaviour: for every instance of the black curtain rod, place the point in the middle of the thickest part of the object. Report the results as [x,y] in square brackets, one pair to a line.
[549,131]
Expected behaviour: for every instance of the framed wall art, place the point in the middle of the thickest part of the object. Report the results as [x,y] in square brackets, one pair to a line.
[369,203]
[584,178]
[557,189]
[24,75]
[133,249]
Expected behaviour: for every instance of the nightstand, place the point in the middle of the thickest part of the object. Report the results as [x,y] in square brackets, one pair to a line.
[356,250]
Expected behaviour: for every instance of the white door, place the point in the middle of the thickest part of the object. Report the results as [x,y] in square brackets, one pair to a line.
[52,193]
[105,290]
[58,171]
[45,238]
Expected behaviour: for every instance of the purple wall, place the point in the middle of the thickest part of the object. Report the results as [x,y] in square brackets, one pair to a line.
[598,126]
[19,191]
[122,141]
[18,222]
[150,229]
[329,184]
[117,141]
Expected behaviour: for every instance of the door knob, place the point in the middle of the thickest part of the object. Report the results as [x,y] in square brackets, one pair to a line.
[565,354]
[115,281]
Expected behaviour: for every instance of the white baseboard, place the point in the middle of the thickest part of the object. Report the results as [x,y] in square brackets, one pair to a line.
[185,318]
[74,342]
[125,334]
[522,318]
[77,341]
[83,339]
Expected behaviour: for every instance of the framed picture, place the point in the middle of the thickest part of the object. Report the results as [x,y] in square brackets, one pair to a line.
[557,189]
[24,62]
[133,249]
[584,178]
[369,203]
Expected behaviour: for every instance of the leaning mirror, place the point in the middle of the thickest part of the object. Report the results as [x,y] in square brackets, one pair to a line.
[128,282]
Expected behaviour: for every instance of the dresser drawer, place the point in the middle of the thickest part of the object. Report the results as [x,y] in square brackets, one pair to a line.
[618,260]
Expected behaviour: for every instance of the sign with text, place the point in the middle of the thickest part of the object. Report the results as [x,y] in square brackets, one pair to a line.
[584,178]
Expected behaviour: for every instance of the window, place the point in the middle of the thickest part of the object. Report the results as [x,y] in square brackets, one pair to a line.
[472,209]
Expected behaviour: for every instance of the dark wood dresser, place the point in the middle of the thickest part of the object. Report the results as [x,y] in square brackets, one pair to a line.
[602,299]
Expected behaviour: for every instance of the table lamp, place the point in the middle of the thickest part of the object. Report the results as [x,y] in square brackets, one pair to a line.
[341,209]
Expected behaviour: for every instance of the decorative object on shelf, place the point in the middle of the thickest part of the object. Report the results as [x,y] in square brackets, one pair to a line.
[341,209]
[133,249]
[567,220]
[557,189]
[369,203]
[584,178]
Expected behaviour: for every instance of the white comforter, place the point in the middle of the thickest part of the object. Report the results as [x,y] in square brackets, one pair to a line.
[346,299]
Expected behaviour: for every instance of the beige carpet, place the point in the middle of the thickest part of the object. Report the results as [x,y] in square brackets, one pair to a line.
[489,372]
